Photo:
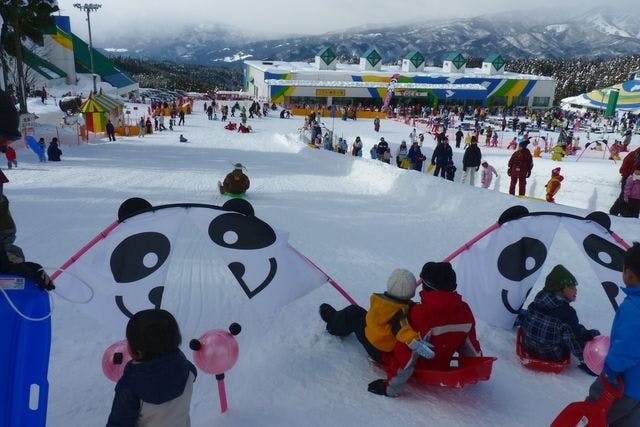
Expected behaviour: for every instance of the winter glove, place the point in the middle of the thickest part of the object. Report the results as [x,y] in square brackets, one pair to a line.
[528,174]
[423,348]
[378,387]
[589,334]
[44,281]
[586,370]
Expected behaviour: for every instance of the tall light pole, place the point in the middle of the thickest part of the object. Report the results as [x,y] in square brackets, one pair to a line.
[90,7]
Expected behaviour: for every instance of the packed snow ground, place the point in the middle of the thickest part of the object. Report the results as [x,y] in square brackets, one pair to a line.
[358,219]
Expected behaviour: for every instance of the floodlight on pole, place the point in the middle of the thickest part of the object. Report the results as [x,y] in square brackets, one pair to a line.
[90,7]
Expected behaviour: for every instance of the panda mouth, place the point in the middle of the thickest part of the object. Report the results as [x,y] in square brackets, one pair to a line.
[238,270]
[155,297]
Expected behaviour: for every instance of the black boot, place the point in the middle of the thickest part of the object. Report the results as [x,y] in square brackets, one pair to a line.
[327,312]
[378,387]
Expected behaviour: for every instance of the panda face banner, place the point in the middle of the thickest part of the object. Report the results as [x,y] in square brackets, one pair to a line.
[496,277]
[127,270]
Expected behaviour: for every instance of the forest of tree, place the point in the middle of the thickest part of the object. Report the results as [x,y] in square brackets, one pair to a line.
[574,76]
[171,75]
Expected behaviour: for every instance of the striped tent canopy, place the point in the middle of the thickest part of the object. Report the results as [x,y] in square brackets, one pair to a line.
[97,109]
[628,100]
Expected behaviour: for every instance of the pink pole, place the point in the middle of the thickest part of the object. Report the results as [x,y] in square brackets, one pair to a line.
[620,240]
[471,242]
[84,249]
[222,393]
[329,279]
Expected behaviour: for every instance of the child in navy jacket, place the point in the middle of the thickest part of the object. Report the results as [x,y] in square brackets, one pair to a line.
[155,389]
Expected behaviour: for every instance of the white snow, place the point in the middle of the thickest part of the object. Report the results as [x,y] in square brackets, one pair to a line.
[356,218]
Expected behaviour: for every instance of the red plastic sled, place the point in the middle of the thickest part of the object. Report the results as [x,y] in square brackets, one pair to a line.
[536,364]
[462,371]
[591,414]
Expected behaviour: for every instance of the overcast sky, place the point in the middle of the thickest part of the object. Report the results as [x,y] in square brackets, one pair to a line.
[285,17]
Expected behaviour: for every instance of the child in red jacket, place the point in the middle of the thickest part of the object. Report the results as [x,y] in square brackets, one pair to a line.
[10,154]
[553,185]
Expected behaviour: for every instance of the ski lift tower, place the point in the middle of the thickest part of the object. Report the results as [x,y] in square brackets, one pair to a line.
[90,7]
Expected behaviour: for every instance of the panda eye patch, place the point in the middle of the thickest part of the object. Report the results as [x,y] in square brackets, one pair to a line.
[138,256]
[522,258]
[237,231]
[604,252]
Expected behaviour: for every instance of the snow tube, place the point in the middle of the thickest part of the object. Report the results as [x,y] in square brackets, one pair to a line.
[24,353]
[536,364]
[35,147]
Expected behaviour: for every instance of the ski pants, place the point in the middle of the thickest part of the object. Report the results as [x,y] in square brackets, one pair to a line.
[439,169]
[522,185]
[471,173]
[352,319]
[625,411]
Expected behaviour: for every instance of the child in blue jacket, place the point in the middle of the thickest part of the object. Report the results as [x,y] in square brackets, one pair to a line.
[623,360]
[155,388]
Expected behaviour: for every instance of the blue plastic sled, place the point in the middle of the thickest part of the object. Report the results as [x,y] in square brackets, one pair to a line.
[35,147]
[24,354]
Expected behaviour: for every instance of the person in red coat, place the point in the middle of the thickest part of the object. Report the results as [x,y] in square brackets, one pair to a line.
[442,319]
[10,154]
[630,163]
[520,165]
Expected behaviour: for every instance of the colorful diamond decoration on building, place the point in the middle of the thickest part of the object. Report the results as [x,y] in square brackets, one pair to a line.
[417,59]
[374,57]
[498,62]
[459,61]
[328,56]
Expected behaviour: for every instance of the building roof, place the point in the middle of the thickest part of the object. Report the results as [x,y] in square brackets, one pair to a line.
[341,84]
[282,67]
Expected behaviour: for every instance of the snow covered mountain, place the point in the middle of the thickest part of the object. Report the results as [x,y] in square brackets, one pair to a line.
[594,33]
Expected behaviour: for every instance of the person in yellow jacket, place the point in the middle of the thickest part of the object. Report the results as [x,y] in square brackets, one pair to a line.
[558,152]
[385,323]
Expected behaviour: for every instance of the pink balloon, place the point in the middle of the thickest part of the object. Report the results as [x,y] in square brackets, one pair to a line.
[595,352]
[218,352]
[114,359]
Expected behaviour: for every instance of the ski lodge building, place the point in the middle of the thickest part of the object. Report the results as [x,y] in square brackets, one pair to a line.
[326,82]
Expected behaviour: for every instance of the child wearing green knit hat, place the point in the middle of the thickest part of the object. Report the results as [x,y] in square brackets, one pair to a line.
[550,325]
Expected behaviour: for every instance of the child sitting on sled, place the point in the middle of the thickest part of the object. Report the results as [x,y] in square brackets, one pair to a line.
[550,325]
[235,182]
[444,318]
[384,324]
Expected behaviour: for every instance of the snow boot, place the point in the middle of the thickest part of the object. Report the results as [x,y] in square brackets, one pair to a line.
[327,312]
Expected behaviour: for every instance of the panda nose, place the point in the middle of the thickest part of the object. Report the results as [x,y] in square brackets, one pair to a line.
[155,296]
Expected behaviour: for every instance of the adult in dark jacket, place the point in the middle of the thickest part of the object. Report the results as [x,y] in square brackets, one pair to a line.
[550,325]
[471,161]
[459,135]
[111,131]
[441,157]
[382,148]
[415,156]
[520,165]
[54,152]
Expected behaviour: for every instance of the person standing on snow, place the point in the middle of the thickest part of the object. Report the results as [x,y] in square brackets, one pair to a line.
[631,195]
[487,174]
[519,168]
[441,157]
[553,185]
[471,161]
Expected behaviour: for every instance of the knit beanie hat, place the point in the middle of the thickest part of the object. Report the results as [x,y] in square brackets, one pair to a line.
[9,120]
[238,167]
[555,171]
[558,279]
[438,276]
[401,284]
